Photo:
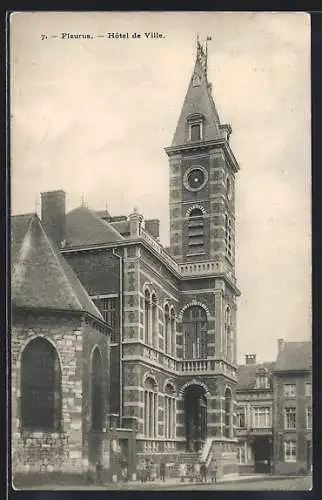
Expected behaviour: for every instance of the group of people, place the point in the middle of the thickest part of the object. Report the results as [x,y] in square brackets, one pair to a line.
[147,470]
[197,472]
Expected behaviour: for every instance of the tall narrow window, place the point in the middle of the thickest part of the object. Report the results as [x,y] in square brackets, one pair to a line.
[196,232]
[155,322]
[147,312]
[167,329]
[169,412]
[290,451]
[150,408]
[173,332]
[241,420]
[109,309]
[41,395]
[195,332]
[228,237]
[228,335]
[290,418]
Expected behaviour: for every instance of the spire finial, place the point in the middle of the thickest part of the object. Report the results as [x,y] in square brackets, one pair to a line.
[202,53]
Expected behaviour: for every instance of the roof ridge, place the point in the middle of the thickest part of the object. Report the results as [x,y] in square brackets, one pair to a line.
[18,268]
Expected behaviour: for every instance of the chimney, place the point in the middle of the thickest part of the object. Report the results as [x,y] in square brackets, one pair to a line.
[53,215]
[152,226]
[280,344]
[250,359]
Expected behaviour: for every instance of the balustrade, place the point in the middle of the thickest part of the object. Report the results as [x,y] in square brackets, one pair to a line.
[159,249]
[159,446]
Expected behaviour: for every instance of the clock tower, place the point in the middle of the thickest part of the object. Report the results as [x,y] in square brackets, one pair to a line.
[202,178]
[203,170]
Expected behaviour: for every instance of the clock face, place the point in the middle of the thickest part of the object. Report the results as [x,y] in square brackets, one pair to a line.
[196,178]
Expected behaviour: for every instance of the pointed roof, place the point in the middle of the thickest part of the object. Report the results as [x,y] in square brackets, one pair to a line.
[41,277]
[198,101]
[295,356]
[85,227]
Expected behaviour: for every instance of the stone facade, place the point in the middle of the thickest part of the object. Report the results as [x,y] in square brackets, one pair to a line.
[73,338]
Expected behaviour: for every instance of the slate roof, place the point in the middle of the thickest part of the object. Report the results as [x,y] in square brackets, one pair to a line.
[294,356]
[123,227]
[198,100]
[85,227]
[41,277]
[246,375]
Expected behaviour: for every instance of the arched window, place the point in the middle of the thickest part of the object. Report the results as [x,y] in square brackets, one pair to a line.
[228,334]
[169,412]
[173,332]
[41,394]
[228,237]
[196,231]
[147,315]
[150,408]
[195,332]
[167,329]
[97,392]
[155,322]
[228,413]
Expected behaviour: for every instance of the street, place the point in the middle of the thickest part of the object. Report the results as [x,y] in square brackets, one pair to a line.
[301,483]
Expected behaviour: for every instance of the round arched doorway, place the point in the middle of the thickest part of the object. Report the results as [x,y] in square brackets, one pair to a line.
[195,413]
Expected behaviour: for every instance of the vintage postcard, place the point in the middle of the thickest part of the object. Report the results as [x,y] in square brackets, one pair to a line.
[160,248]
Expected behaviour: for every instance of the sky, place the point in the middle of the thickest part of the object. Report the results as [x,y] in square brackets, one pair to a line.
[93,116]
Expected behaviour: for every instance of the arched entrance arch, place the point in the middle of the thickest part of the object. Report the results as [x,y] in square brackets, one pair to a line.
[195,416]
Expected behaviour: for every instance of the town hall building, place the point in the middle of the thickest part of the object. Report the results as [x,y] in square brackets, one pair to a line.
[146,334]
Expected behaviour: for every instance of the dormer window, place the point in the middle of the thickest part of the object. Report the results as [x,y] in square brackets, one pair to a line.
[262,379]
[195,132]
[195,127]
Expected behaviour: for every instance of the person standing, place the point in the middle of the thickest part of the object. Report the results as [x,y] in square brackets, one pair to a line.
[99,470]
[197,471]
[162,471]
[182,472]
[203,472]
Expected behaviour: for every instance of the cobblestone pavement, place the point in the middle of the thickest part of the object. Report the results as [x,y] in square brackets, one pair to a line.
[302,483]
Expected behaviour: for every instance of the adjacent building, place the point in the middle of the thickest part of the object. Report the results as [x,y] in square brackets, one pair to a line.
[274,411]
[292,418]
[60,371]
[254,416]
